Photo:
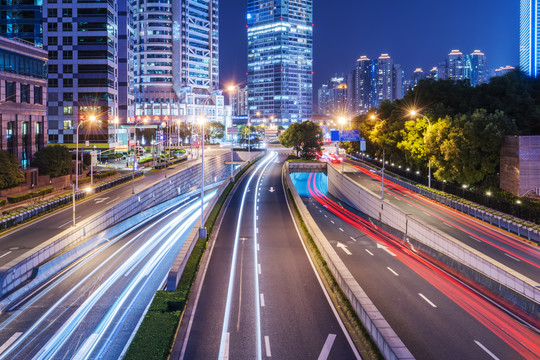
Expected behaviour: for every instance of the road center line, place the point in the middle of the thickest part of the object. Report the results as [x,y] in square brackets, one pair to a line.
[475,239]
[510,256]
[427,300]
[327,347]
[325,215]
[341,229]
[392,271]
[332,221]
[267,346]
[69,222]
[447,224]
[486,350]
[369,252]
[262,299]
[10,341]
[426,213]
[410,205]
[260,271]
[113,200]
[353,239]
[9,252]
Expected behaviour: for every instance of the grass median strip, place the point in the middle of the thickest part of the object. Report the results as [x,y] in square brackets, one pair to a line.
[155,336]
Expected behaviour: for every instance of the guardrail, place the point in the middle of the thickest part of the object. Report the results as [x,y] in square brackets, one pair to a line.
[497,220]
[37,211]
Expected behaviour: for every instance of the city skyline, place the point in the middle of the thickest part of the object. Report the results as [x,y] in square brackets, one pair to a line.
[489,26]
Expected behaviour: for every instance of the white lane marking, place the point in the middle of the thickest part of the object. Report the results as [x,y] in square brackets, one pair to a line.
[9,252]
[344,247]
[267,346]
[257,208]
[510,256]
[410,205]
[327,347]
[80,355]
[113,200]
[320,211]
[447,224]
[258,248]
[325,215]
[475,239]
[426,213]
[257,217]
[427,300]
[369,252]
[260,270]
[353,239]
[10,341]
[332,221]
[379,246]
[257,230]
[262,299]
[225,352]
[69,222]
[392,271]
[486,350]
[341,229]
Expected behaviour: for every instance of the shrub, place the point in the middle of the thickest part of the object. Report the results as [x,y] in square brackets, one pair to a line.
[18,198]
[3,202]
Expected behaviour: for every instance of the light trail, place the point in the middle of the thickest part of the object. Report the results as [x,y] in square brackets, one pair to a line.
[53,346]
[522,339]
[223,345]
[27,337]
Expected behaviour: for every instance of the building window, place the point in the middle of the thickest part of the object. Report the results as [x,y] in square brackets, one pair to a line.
[67,27]
[68,110]
[53,55]
[52,110]
[53,83]
[53,69]
[25,93]
[10,91]
[68,68]
[52,40]
[68,139]
[38,95]
[67,40]
[68,96]
[68,124]
[68,83]
[67,12]
[67,55]
[52,26]
[53,138]
[52,13]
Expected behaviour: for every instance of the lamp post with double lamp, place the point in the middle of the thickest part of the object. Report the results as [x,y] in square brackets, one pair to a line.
[134,155]
[91,118]
[414,113]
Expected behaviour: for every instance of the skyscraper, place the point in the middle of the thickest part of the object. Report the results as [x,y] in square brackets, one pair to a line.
[21,19]
[361,86]
[529,59]
[280,60]
[456,65]
[477,69]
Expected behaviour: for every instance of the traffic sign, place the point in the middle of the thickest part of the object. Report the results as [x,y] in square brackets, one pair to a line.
[345,135]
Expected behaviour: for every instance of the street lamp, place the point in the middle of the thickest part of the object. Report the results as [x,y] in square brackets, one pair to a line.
[163,124]
[91,118]
[414,113]
[134,155]
[373,117]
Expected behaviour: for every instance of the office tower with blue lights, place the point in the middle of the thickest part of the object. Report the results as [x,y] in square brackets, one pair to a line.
[529,61]
[280,60]
[21,20]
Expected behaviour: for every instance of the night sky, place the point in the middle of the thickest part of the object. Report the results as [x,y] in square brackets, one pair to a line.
[415,33]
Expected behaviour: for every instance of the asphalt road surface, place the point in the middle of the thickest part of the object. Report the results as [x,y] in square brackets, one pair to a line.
[261,297]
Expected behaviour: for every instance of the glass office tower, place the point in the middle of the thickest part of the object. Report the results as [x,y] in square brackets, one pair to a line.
[528,40]
[280,60]
[21,20]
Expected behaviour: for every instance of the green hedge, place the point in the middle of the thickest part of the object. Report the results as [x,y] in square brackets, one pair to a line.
[3,202]
[18,198]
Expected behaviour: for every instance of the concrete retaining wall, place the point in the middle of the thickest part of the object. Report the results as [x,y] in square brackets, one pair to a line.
[20,270]
[358,197]
[307,167]
[382,334]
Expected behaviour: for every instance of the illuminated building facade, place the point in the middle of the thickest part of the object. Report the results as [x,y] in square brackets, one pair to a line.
[280,60]
[21,20]
[529,59]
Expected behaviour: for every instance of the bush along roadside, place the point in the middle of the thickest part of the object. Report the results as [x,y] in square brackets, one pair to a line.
[18,198]
[20,215]
[155,336]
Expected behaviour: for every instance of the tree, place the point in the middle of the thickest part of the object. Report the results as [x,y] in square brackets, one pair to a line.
[304,138]
[54,160]
[10,172]
[215,130]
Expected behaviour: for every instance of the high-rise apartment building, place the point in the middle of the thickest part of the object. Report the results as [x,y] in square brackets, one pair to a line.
[280,60]
[23,95]
[388,79]
[239,101]
[21,19]
[90,50]
[456,65]
[333,97]
[176,61]
[477,69]
[503,70]
[361,85]
[529,59]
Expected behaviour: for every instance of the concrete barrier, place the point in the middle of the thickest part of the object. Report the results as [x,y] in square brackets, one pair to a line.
[498,278]
[389,344]
[17,272]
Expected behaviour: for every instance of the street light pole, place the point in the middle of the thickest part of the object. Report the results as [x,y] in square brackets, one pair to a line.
[76,186]
[382,177]
[134,158]
[414,113]
[202,229]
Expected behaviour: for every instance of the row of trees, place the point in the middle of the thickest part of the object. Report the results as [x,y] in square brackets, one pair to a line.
[466,126]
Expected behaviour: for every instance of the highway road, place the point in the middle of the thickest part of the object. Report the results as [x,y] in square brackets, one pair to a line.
[434,315]
[23,239]
[506,248]
[261,297]
[91,309]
